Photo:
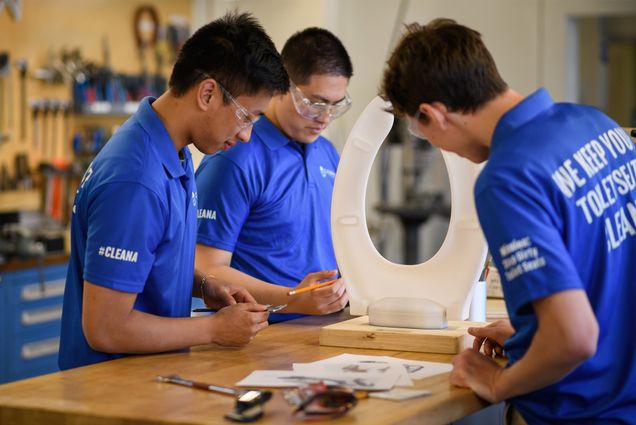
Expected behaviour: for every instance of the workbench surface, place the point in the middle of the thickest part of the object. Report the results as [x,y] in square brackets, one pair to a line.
[124,391]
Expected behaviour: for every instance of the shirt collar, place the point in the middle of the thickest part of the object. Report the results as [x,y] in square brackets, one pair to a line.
[520,114]
[161,140]
[271,136]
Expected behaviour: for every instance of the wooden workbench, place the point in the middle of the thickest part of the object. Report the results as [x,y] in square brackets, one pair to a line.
[124,392]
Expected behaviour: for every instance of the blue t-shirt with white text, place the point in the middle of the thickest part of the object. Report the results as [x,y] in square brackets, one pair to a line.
[557,203]
[132,230]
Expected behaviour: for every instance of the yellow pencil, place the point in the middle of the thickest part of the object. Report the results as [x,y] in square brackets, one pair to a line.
[311,288]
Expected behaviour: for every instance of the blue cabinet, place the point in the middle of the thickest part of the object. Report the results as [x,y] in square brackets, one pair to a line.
[30,313]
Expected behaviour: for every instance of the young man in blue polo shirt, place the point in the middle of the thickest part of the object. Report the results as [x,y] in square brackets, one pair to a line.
[557,203]
[267,227]
[131,274]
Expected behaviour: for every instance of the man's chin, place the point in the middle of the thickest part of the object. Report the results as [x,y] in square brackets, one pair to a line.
[308,138]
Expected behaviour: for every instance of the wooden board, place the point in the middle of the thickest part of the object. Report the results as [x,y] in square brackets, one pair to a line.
[357,333]
[20,200]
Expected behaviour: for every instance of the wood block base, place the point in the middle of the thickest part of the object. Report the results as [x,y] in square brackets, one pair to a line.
[357,333]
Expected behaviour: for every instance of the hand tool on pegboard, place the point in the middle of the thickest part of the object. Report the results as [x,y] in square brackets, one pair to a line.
[44,121]
[14,7]
[35,123]
[4,72]
[146,30]
[21,65]
[55,109]
[65,108]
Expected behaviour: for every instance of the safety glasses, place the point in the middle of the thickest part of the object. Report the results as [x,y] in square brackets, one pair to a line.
[315,402]
[314,110]
[412,126]
[243,117]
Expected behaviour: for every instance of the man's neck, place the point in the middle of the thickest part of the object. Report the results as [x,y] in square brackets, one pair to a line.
[171,110]
[271,114]
[485,120]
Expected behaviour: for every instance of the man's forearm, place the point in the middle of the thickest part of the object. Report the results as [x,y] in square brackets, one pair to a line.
[146,333]
[264,292]
[543,364]
[566,336]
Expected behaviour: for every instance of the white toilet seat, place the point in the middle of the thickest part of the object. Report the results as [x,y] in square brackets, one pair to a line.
[448,278]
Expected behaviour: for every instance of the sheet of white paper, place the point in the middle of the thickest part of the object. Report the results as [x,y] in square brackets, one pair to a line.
[415,369]
[355,368]
[361,362]
[418,369]
[286,378]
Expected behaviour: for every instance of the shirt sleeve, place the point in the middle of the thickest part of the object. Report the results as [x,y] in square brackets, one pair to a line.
[524,237]
[224,202]
[126,223]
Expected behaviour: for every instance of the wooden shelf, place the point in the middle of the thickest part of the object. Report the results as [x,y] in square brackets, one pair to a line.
[20,200]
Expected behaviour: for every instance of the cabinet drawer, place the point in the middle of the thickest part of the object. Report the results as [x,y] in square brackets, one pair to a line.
[39,318]
[33,355]
[34,292]
[35,306]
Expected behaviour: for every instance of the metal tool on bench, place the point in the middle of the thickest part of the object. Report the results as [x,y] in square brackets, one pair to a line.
[249,403]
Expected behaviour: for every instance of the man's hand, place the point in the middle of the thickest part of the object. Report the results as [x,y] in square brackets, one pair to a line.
[492,337]
[477,372]
[325,300]
[236,325]
[566,336]
[219,294]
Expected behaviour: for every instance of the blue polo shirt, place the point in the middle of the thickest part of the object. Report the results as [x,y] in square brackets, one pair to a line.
[557,203]
[269,203]
[132,230]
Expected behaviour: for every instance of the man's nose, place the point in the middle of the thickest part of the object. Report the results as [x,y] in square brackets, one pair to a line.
[324,117]
[244,134]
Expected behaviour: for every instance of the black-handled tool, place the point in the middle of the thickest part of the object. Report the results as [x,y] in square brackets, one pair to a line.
[249,403]
[21,64]
[4,72]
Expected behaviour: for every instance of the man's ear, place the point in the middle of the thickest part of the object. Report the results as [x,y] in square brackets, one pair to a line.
[205,93]
[436,114]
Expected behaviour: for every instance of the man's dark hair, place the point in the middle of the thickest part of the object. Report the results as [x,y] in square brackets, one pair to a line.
[441,62]
[236,52]
[315,51]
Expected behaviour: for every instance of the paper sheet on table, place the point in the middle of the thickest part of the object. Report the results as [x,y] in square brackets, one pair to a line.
[286,378]
[415,369]
[355,368]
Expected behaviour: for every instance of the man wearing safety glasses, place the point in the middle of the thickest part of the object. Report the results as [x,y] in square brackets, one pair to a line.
[131,279]
[264,207]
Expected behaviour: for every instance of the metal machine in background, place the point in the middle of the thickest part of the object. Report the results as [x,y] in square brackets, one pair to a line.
[420,200]
[28,235]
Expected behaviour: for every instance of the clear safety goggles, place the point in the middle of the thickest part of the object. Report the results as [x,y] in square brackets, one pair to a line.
[314,110]
[243,117]
[412,126]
